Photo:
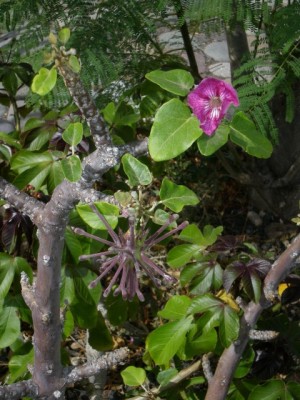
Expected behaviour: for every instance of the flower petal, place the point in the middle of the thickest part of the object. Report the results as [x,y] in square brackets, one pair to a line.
[202,101]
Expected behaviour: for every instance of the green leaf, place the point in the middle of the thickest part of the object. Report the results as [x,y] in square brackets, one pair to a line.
[5,152]
[117,309]
[204,303]
[26,159]
[73,134]
[209,276]
[204,343]
[56,175]
[64,35]
[243,133]
[229,326]
[44,81]
[99,336]
[42,137]
[68,324]
[10,327]
[18,365]
[161,217]
[10,82]
[9,267]
[245,363]
[177,81]
[164,342]
[271,390]
[294,389]
[133,376]
[73,244]
[74,64]
[109,113]
[174,130]
[82,306]
[175,308]
[194,235]
[137,172]
[208,145]
[7,139]
[35,176]
[180,255]
[109,211]
[33,123]
[175,197]
[71,167]
[164,377]
[125,115]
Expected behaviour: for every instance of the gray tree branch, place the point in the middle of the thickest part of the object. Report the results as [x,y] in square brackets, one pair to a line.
[219,384]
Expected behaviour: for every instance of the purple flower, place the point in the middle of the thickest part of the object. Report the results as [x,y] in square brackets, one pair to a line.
[210,101]
[127,254]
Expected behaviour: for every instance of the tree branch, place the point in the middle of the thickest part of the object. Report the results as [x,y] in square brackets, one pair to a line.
[20,200]
[219,384]
[70,375]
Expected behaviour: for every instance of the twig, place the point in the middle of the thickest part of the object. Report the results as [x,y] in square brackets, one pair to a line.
[219,384]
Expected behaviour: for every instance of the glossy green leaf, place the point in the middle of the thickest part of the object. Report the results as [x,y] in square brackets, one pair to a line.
[99,336]
[125,115]
[229,326]
[44,81]
[117,309]
[164,342]
[137,172]
[36,176]
[74,64]
[109,113]
[10,82]
[68,324]
[71,167]
[161,217]
[203,343]
[73,134]
[175,197]
[73,244]
[18,365]
[243,133]
[64,35]
[174,130]
[175,308]
[271,390]
[55,176]
[206,238]
[208,145]
[5,152]
[204,303]
[177,81]
[164,377]
[42,136]
[133,376]
[209,276]
[33,123]
[245,363]
[109,211]
[26,159]
[9,267]
[83,306]
[294,389]
[7,139]
[180,255]
[10,327]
